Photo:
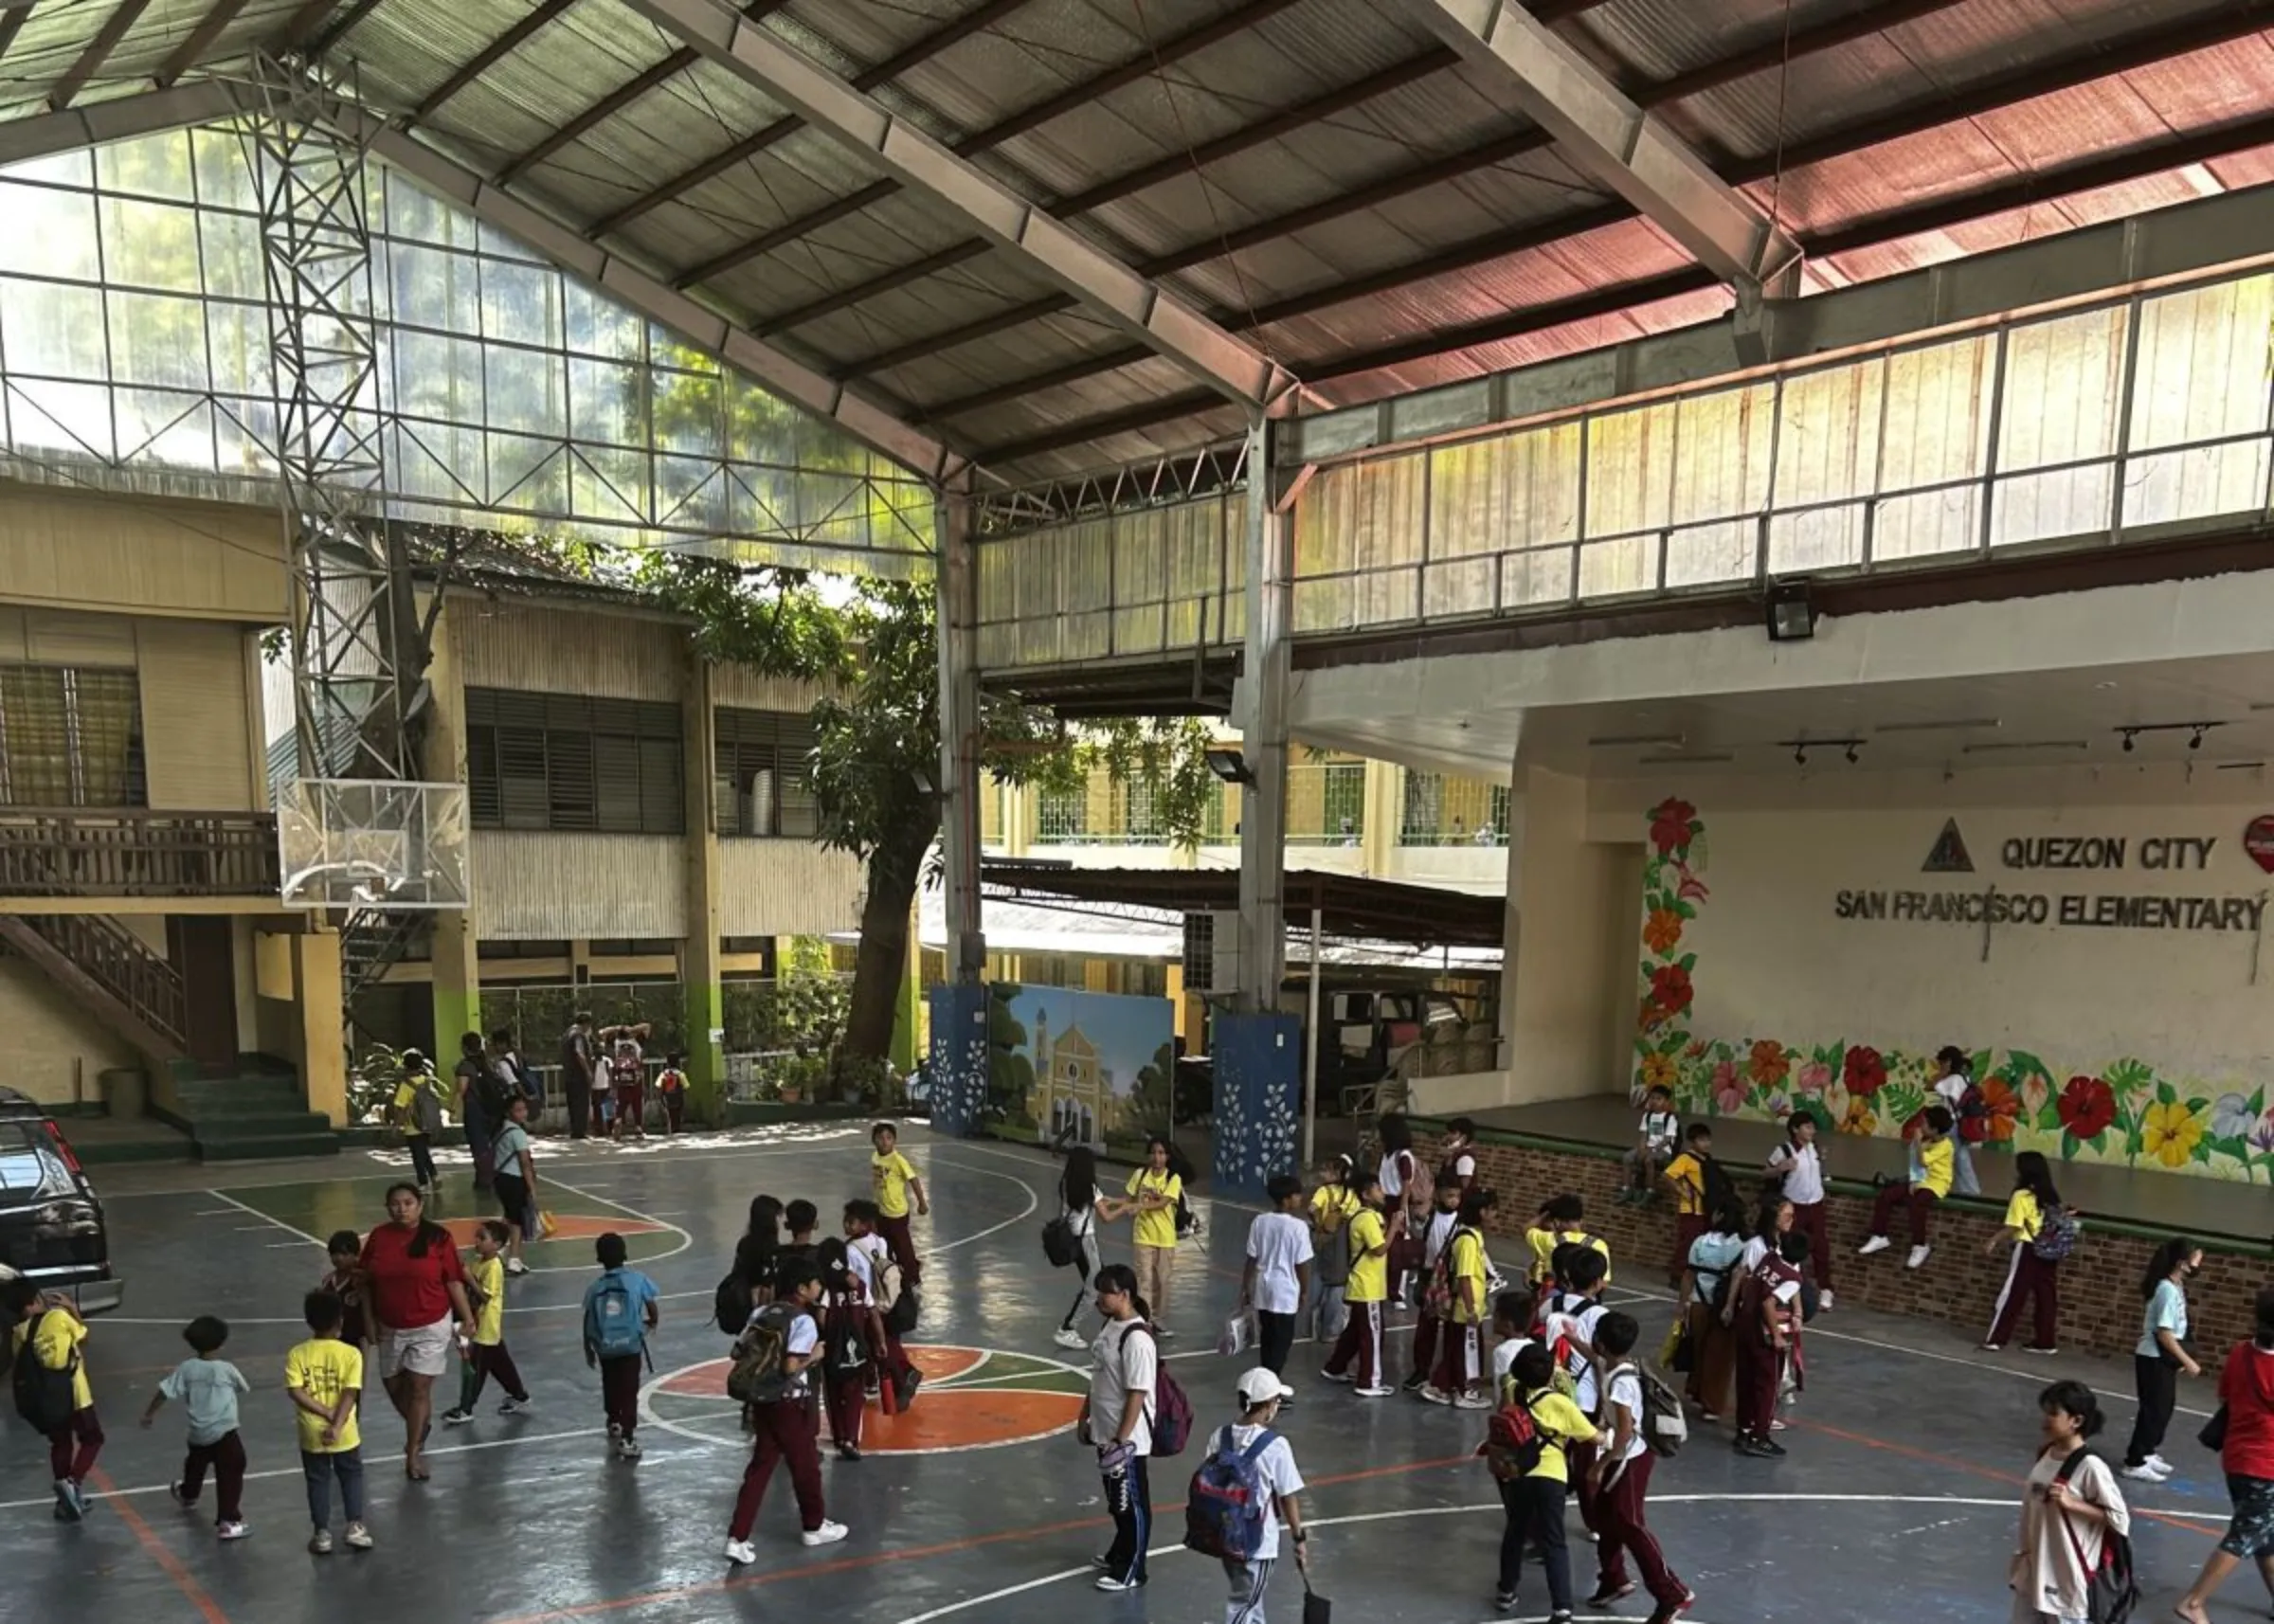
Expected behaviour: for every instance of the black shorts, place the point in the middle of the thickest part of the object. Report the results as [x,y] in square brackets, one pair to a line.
[512,1202]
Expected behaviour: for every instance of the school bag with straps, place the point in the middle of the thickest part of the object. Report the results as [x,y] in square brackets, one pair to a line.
[2057,1236]
[759,1374]
[1513,1442]
[2112,1585]
[1437,1294]
[44,1396]
[1664,1426]
[732,1305]
[1229,1504]
[613,1328]
[1172,1411]
[894,1298]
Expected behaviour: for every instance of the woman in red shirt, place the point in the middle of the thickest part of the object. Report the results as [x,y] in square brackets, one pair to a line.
[417,1287]
[2246,1401]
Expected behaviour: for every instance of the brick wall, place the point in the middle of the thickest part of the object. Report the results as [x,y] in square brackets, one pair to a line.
[2100,1281]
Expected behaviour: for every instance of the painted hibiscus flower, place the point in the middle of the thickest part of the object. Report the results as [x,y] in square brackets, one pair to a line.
[1728,1089]
[1859,1120]
[1671,989]
[2232,1118]
[1863,1070]
[2170,1132]
[1669,825]
[1768,1064]
[1814,1078]
[2086,1107]
[1658,1072]
[1662,930]
[2000,1106]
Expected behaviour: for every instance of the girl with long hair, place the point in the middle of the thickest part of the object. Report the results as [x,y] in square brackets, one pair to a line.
[2162,1354]
[1711,1275]
[1333,1204]
[1154,1191]
[2034,1208]
[757,1254]
[1086,1206]
[1407,1199]
[1117,1421]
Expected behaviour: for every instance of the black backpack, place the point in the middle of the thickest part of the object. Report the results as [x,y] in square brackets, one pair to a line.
[44,1396]
[2111,1589]
[732,1305]
[497,1090]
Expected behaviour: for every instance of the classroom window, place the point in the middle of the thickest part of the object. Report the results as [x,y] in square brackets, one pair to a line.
[763,773]
[564,763]
[70,737]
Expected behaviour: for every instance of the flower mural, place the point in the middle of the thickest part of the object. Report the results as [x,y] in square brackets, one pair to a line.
[2112,1110]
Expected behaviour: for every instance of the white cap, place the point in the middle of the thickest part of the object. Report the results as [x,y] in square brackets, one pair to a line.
[1259,1386]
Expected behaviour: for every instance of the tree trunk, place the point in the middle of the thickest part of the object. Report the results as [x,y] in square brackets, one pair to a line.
[882,959]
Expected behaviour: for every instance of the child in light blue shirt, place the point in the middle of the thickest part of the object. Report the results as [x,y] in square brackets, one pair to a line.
[208,1390]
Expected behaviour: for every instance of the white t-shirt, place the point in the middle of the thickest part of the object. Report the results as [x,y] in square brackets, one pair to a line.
[861,1257]
[1803,1169]
[1578,1323]
[1661,1130]
[1756,1250]
[1276,1468]
[1952,1090]
[1464,1166]
[1392,1174]
[1083,1220]
[1277,1242]
[1127,1362]
[1504,1358]
[1435,1237]
[1626,1392]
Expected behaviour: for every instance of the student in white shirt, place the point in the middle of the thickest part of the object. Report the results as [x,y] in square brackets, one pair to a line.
[1428,1328]
[1621,1480]
[1261,1393]
[1954,1076]
[1800,1165]
[1087,1206]
[1512,1322]
[1572,1318]
[783,1428]
[1117,1420]
[1277,1274]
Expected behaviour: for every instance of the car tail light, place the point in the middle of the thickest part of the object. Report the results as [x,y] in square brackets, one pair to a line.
[63,1148]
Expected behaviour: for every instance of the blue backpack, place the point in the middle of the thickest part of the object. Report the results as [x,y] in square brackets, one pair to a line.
[613,1326]
[1229,1502]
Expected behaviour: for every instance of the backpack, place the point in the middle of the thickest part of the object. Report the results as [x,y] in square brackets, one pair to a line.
[44,1396]
[1229,1504]
[496,1091]
[1513,1442]
[2057,1237]
[1664,1426]
[1565,1381]
[2111,1589]
[1058,1244]
[1437,1295]
[731,1305]
[613,1328]
[1172,1411]
[893,1297]
[759,1373]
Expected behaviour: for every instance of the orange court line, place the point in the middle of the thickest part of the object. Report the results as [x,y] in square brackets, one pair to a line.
[881,1558]
[183,1579]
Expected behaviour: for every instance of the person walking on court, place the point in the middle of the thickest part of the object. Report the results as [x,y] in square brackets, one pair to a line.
[1086,1206]
[1117,1420]
[417,1108]
[486,1353]
[2071,1508]
[1333,1204]
[1798,1166]
[418,1293]
[1367,1296]
[2246,1457]
[475,1087]
[781,1425]
[580,1064]
[2161,1354]
[1277,1274]
[516,1181]
[2034,1213]
[621,1311]
[323,1377]
[895,1180]
[1458,1378]
[1154,1191]
[207,1388]
[1622,1479]
[1525,1451]
[1279,1485]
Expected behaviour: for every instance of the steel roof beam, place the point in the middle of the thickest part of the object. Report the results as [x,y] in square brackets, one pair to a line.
[1602,132]
[89,63]
[341,26]
[197,42]
[1202,349]
[914,55]
[489,56]
[11,23]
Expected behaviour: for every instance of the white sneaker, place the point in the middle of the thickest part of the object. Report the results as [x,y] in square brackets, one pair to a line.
[2144,1472]
[1472,1401]
[2161,1465]
[359,1537]
[629,1448]
[1106,1581]
[1919,1255]
[1070,1339]
[1824,1302]
[1877,1243]
[740,1553]
[514,1266]
[1431,1395]
[230,1531]
[517,1406]
[1376,1391]
[320,1544]
[827,1534]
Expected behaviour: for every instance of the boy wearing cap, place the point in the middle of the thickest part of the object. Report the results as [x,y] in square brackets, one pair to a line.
[1261,1392]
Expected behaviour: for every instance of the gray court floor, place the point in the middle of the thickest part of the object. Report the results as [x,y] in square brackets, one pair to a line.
[1897,1502]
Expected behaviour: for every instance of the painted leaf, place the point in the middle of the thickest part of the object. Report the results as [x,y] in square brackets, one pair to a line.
[2048,1116]
[2069,1145]
[1685,911]
[1690,962]
[2197,1106]
[2165,1094]
[2258,1101]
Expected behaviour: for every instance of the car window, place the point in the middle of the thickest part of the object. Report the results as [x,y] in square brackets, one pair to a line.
[29,1164]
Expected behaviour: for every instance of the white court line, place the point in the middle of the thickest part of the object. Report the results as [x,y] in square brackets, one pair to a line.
[1032,1201]
[686,1240]
[264,1217]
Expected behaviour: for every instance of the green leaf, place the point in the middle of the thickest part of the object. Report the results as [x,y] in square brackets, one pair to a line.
[2197,1106]
[2258,1101]
[2069,1145]
[1685,911]
[2048,1117]
[2165,1094]
[1689,960]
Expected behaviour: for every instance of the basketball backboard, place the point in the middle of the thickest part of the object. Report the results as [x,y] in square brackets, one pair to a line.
[353,842]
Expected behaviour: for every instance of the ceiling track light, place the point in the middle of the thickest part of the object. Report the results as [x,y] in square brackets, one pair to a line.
[1850,748]
[2196,732]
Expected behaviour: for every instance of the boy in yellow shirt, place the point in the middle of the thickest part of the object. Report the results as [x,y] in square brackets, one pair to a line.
[1558,1225]
[894,1178]
[1534,1476]
[1458,1378]
[486,1355]
[1333,1204]
[1936,1163]
[324,1378]
[49,1332]
[1367,1292]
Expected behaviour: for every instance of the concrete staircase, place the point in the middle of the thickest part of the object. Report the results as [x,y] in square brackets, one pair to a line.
[255,1112]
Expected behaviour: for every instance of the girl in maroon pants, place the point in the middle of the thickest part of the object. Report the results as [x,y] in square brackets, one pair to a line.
[783,1429]
[1766,1323]
[2028,1273]
[1622,1481]
[844,1313]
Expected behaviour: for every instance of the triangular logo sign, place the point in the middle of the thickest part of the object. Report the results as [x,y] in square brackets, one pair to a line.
[1949,854]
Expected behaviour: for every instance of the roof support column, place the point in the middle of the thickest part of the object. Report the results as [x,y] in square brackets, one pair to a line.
[1265,677]
[960,732]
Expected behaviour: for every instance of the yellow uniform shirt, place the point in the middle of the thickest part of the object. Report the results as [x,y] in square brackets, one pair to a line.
[1545,1241]
[1369,1277]
[487,1276]
[1936,1159]
[1688,1180]
[2023,1216]
[1560,1421]
[324,1367]
[1467,1264]
[55,1344]
[406,1093]
[890,1175]
[1158,1227]
[1332,1206]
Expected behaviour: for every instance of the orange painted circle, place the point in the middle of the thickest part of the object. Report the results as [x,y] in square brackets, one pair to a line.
[709,1380]
[970,1417]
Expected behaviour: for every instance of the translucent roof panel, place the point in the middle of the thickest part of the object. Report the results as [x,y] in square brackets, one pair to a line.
[135,354]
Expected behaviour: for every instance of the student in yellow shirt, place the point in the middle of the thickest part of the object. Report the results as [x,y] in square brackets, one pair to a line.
[1333,1204]
[894,1178]
[418,1113]
[1685,1176]
[324,1378]
[486,1354]
[1156,1189]
[1534,1476]
[1558,1225]
[1366,1292]
[1458,1378]
[49,1331]
[2036,1204]
[1936,1165]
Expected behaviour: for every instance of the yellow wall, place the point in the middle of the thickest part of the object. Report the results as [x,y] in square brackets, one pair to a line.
[46,1031]
[196,723]
[62,550]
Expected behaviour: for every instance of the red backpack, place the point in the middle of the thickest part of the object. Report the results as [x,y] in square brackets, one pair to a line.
[1172,1411]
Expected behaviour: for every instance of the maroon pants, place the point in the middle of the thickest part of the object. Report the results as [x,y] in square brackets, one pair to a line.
[224,1456]
[619,1392]
[897,1235]
[1461,1359]
[1758,1368]
[1622,1531]
[785,1434]
[1688,1227]
[1426,1331]
[846,1396]
[490,1358]
[1893,1197]
[1580,1458]
[1814,1221]
[674,1108]
[1360,1341]
[72,1447]
[2031,1277]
